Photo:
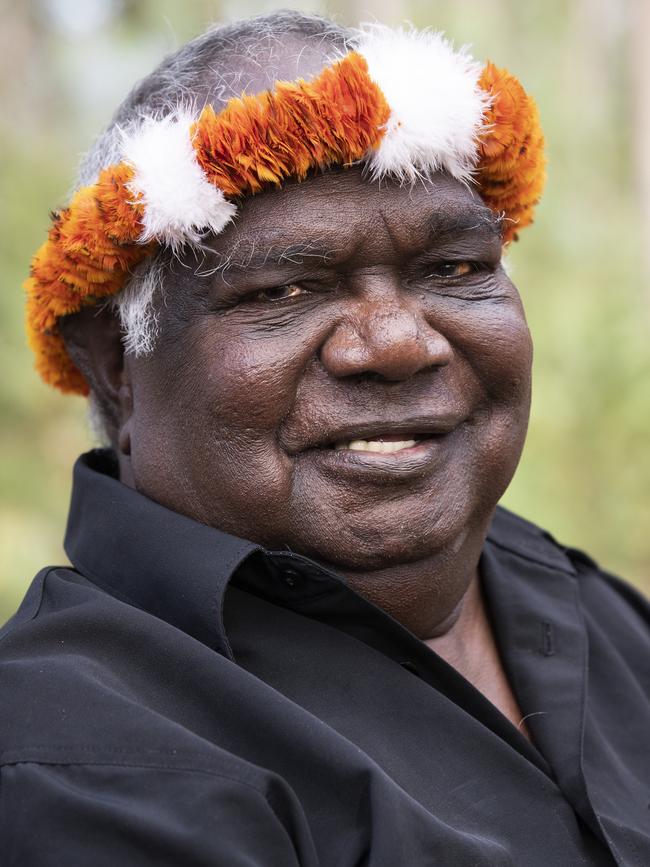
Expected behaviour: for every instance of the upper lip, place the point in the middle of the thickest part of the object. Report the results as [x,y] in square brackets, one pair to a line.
[422,425]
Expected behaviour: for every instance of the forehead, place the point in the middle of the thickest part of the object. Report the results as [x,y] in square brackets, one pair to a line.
[259,64]
[340,210]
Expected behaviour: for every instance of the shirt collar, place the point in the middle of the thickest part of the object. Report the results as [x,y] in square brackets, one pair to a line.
[178,570]
[149,556]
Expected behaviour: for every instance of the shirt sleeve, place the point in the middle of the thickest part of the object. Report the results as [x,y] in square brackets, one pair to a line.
[114,816]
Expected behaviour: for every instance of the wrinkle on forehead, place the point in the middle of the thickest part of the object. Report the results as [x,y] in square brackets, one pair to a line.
[327,219]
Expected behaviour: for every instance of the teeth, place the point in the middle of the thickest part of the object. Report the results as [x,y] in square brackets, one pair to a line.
[375,446]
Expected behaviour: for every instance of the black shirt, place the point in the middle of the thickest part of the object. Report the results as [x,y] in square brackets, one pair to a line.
[183,697]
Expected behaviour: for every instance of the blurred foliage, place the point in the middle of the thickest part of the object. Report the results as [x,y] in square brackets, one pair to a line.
[582,269]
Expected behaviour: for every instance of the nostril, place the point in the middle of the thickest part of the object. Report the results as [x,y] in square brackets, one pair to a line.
[370,376]
[390,345]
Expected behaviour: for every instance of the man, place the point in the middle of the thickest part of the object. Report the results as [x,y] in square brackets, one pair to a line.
[295,630]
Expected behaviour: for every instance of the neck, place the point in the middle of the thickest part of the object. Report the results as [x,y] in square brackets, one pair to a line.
[442,603]
[468,632]
[432,597]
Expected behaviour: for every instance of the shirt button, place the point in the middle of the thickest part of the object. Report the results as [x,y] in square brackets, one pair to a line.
[409,666]
[290,577]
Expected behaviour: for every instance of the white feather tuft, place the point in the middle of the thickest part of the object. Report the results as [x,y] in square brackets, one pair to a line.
[437,107]
[180,204]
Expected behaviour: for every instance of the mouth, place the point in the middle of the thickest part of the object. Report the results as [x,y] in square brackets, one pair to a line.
[382,444]
[385,436]
[385,451]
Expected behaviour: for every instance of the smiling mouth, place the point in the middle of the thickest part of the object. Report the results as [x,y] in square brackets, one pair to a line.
[395,452]
[384,451]
[383,444]
[382,458]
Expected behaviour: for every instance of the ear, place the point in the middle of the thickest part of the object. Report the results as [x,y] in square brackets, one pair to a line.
[93,339]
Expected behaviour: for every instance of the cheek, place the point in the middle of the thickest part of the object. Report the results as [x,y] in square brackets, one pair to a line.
[495,343]
[250,379]
[214,410]
[502,359]
[508,356]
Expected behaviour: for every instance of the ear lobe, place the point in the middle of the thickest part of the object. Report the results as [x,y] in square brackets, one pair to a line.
[93,338]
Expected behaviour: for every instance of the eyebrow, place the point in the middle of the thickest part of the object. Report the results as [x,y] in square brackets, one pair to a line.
[476,219]
[251,256]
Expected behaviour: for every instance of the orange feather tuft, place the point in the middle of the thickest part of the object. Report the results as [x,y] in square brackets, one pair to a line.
[90,250]
[511,172]
[257,141]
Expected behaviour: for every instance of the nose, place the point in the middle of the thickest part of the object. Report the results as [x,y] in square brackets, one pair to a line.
[389,337]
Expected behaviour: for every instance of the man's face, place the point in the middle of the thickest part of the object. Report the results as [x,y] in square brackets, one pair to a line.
[352,383]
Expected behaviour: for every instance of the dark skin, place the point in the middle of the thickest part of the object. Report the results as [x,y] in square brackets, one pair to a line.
[350,310]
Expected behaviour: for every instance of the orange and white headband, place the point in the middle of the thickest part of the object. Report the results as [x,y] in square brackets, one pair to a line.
[402,103]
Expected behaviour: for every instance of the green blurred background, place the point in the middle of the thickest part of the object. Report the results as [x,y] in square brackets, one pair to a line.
[583,269]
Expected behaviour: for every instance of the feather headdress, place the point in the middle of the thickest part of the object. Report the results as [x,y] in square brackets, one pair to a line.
[403,103]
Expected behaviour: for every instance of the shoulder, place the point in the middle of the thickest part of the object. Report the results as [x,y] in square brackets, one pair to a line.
[96,733]
[611,606]
[85,676]
[69,659]
[512,533]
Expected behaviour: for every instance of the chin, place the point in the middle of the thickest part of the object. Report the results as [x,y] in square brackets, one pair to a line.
[361,544]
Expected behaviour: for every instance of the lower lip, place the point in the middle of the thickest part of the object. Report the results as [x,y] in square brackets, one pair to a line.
[402,465]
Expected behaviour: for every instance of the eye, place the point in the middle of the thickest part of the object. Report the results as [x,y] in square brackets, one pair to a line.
[447,270]
[279,293]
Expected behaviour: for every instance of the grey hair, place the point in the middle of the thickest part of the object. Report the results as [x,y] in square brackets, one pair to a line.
[136,308]
[214,67]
